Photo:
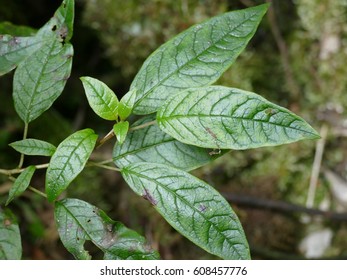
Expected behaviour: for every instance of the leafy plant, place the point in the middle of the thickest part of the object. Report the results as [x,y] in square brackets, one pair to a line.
[187,124]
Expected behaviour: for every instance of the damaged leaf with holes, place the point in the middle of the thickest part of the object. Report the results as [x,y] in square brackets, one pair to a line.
[79,221]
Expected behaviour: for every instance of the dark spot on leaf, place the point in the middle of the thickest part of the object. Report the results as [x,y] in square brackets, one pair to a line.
[149,197]
[88,221]
[270,111]
[209,131]
[78,239]
[54,28]
[202,207]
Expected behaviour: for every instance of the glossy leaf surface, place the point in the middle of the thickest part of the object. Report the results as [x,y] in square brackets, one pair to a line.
[120,129]
[196,57]
[126,104]
[191,206]
[227,118]
[79,221]
[68,161]
[101,98]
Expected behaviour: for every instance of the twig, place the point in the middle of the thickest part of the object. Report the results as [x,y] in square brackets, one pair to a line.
[281,206]
[25,134]
[316,166]
[111,133]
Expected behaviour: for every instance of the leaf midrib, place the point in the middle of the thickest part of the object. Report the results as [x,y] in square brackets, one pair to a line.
[189,205]
[150,90]
[163,119]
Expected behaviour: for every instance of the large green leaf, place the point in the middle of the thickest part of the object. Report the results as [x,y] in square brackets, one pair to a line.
[228,118]
[194,58]
[150,144]
[40,79]
[191,206]
[10,240]
[78,221]
[68,161]
[101,98]
[33,147]
[21,183]
[13,50]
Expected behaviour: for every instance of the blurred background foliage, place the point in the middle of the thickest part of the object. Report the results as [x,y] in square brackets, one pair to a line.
[297,59]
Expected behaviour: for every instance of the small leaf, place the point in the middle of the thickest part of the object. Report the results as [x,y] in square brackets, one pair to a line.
[79,221]
[191,206]
[13,50]
[228,118]
[68,161]
[196,57]
[120,129]
[33,147]
[40,79]
[101,98]
[21,183]
[126,104]
[10,239]
[151,144]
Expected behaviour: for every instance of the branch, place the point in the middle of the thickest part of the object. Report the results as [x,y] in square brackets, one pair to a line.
[281,206]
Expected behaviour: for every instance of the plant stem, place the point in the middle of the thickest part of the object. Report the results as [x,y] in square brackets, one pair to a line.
[37,191]
[10,172]
[111,133]
[143,125]
[25,134]
[103,166]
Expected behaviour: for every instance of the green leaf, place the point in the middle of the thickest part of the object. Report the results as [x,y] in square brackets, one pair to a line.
[65,18]
[196,57]
[228,118]
[10,239]
[33,147]
[40,79]
[68,161]
[191,206]
[101,98]
[16,30]
[21,183]
[120,129]
[13,50]
[151,144]
[126,104]
[60,26]
[78,221]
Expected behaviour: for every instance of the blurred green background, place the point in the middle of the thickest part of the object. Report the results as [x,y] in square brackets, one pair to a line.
[296,59]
